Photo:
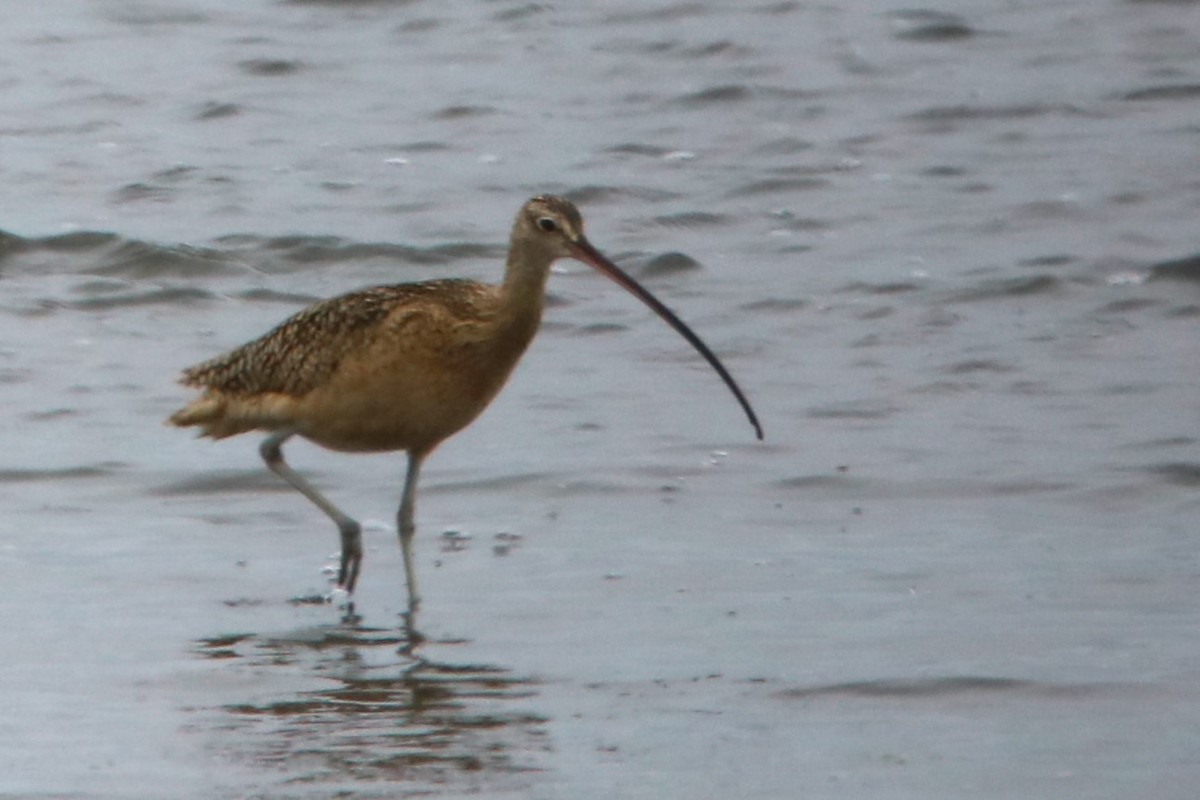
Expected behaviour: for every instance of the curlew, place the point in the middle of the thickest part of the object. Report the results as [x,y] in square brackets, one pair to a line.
[400,367]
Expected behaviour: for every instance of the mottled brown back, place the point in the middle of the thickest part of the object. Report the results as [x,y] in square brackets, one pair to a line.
[304,350]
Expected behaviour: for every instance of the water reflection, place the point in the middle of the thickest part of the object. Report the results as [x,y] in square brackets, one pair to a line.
[380,716]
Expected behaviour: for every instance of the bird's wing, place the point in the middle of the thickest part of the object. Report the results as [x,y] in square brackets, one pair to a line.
[304,350]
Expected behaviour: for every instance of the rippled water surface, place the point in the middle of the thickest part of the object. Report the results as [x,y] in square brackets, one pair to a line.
[949,250]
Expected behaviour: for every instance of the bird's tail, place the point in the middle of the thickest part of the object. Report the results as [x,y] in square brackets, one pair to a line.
[209,413]
[220,415]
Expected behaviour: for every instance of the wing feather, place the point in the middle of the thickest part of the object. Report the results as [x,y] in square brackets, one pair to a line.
[304,350]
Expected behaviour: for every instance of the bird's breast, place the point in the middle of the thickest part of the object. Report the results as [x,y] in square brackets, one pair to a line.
[409,392]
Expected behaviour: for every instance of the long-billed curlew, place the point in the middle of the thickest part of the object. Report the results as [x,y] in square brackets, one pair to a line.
[400,367]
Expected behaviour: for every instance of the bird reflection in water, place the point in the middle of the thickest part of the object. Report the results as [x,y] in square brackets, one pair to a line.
[423,721]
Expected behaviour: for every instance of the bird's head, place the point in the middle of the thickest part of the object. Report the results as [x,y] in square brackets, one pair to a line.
[551,225]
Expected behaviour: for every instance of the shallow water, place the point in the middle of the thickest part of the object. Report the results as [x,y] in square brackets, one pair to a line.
[950,252]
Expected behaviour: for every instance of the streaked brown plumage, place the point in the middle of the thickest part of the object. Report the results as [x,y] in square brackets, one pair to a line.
[399,367]
[437,344]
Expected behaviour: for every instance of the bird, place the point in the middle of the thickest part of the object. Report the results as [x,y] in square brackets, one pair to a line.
[401,368]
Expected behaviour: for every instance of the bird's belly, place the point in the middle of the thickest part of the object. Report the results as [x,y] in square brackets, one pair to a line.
[397,408]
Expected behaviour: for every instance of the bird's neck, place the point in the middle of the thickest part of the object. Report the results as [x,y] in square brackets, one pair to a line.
[523,293]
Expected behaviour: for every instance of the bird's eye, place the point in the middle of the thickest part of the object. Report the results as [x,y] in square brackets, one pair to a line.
[547,224]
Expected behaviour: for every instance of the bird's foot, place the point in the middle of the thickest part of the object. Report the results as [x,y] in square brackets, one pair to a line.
[412,637]
[349,616]
[352,556]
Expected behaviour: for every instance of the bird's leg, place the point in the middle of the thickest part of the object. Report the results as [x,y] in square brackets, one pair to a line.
[406,527]
[350,530]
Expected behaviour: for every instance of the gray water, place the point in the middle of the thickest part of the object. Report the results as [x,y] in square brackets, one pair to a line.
[949,250]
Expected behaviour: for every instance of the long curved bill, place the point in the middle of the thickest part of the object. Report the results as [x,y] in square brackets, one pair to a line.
[583,250]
